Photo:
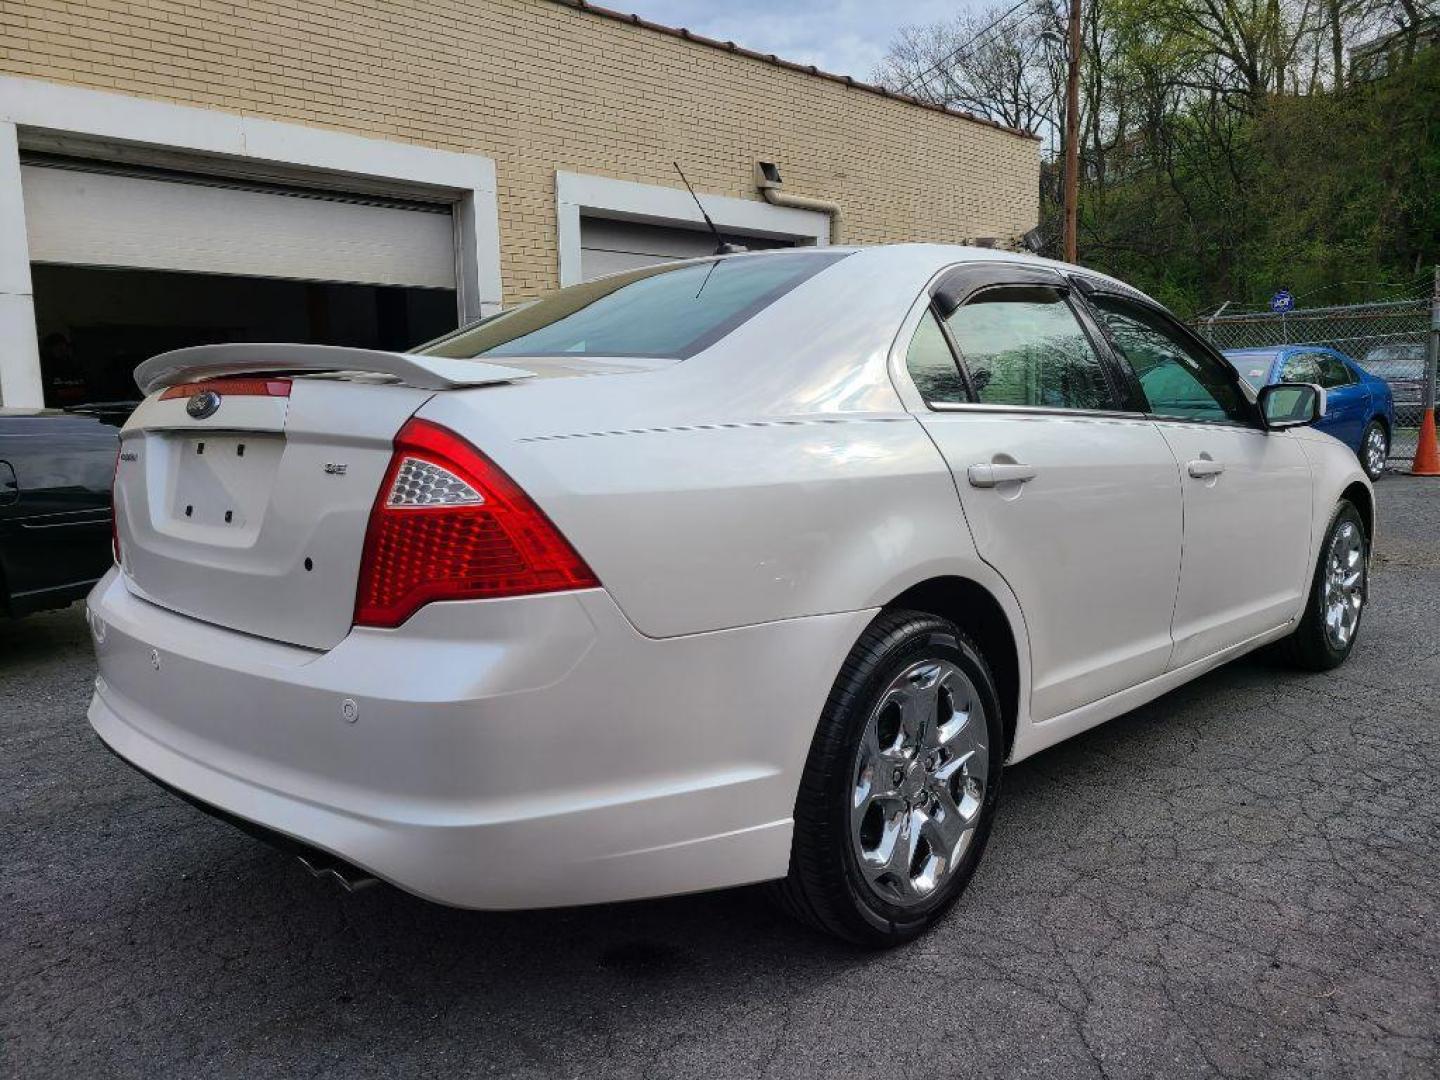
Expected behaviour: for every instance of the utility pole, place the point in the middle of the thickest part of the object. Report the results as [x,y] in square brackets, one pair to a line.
[1072,135]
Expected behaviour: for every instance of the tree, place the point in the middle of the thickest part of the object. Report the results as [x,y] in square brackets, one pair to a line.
[1224,151]
[992,63]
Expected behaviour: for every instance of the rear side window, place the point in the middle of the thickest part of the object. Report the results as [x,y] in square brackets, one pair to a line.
[670,311]
[932,365]
[1024,346]
[1301,368]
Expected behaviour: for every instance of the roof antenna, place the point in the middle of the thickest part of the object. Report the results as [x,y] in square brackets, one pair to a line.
[721,247]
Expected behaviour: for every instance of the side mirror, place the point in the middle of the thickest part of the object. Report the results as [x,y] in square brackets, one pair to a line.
[1287,405]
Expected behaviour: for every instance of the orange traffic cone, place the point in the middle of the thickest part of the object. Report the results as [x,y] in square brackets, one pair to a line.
[1427,452]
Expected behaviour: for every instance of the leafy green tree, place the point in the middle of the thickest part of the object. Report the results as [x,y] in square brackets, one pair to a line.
[1225,149]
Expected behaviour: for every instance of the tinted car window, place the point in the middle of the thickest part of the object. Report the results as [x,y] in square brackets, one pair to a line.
[932,365]
[672,311]
[1179,379]
[1024,346]
[1333,371]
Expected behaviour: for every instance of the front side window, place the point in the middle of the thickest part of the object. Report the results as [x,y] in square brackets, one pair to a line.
[669,311]
[932,365]
[1179,380]
[1333,371]
[1024,346]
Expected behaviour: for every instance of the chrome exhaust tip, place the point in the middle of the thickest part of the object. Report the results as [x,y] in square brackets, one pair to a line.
[351,879]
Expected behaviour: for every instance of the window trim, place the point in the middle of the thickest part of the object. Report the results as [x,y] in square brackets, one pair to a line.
[1091,288]
[956,285]
[956,358]
[1035,410]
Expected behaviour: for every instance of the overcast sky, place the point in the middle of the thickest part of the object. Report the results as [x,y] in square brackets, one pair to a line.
[846,37]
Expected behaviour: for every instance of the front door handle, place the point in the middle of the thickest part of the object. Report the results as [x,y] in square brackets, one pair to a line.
[1202,468]
[987,476]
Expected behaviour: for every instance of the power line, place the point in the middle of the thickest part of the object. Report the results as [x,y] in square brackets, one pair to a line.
[954,54]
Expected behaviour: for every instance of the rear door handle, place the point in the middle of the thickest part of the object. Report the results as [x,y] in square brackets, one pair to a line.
[1201,468]
[987,476]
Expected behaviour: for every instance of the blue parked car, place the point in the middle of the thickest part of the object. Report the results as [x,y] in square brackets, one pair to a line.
[1359,408]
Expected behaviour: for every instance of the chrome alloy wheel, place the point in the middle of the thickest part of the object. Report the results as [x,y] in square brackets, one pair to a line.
[1344,584]
[920,780]
[1376,450]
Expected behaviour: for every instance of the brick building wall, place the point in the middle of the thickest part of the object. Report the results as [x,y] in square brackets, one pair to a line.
[539,86]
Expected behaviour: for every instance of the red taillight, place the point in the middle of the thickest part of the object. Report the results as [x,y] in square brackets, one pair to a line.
[448,524]
[231,388]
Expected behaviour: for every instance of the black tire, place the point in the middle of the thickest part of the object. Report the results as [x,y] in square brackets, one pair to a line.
[825,887]
[1309,647]
[1364,453]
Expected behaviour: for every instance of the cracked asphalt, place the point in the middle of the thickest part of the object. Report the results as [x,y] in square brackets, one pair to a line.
[1241,879]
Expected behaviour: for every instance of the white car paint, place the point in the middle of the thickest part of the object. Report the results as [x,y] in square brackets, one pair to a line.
[747,511]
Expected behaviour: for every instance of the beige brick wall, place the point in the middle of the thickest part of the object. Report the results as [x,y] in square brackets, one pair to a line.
[541,86]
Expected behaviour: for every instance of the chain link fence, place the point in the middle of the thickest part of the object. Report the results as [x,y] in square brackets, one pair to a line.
[1388,338]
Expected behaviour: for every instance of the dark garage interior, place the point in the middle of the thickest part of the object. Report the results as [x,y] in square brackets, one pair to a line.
[97,323]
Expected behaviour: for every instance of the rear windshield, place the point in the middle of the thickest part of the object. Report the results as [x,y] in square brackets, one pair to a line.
[671,311]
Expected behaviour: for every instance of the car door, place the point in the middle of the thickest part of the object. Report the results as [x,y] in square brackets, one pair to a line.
[1070,497]
[54,505]
[1347,401]
[1247,492]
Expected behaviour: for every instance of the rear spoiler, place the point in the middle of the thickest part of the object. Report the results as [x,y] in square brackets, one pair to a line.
[411,369]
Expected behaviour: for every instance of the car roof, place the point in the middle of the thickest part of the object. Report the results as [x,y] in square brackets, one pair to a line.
[1271,352]
[936,257]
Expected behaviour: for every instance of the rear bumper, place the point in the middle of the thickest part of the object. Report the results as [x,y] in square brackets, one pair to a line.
[502,754]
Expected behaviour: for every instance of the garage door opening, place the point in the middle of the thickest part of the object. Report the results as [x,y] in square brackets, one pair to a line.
[97,323]
[129,261]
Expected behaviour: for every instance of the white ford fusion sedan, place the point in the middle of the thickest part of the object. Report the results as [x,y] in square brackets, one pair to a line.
[743,569]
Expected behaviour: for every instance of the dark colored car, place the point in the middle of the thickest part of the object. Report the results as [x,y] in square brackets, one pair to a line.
[1359,408]
[1403,367]
[56,470]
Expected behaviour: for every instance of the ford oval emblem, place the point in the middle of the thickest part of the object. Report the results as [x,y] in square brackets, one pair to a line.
[205,403]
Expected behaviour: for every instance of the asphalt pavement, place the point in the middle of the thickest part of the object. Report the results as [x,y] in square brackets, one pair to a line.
[1240,879]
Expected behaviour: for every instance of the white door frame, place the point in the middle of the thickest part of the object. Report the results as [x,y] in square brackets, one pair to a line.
[657,204]
[228,144]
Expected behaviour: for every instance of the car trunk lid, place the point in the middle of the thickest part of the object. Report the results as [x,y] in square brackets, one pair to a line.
[250,511]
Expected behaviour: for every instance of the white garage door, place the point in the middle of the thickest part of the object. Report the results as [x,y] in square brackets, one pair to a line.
[80,217]
[608,246]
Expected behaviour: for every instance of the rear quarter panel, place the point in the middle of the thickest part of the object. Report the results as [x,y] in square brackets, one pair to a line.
[695,530]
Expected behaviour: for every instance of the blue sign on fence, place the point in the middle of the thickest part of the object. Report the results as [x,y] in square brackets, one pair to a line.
[1282,302]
